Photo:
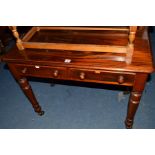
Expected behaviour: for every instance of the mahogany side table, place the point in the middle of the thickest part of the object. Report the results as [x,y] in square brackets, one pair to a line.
[84,66]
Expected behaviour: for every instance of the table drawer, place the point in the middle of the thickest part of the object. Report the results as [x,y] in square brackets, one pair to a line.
[102,76]
[41,71]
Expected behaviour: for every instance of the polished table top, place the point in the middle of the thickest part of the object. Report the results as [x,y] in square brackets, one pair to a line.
[141,61]
[45,62]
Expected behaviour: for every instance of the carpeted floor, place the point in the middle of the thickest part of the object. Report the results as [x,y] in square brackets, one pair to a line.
[72,105]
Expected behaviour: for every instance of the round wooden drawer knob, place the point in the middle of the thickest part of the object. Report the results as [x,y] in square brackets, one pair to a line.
[82,76]
[121,79]
[24,70]
[56,73]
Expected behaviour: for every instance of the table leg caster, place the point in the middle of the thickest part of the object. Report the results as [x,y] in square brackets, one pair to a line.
[128,127]
[41,113]
[128,124]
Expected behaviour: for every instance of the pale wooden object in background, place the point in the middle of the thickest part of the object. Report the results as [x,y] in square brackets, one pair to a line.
[128,49]
[16,35]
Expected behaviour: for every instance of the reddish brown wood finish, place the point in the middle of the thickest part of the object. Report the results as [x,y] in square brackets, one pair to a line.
[84,66]
[135,97]
[26,89]
[127,49]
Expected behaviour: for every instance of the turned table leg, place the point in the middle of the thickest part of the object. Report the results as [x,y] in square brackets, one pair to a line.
[24,84]
[135,97]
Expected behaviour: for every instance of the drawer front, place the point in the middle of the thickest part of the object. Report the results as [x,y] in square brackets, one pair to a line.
[41,71]
[102,76]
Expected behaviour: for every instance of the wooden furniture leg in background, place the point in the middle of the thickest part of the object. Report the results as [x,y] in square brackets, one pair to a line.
[16,35]
[130,47]
[135,97]
[23,82]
